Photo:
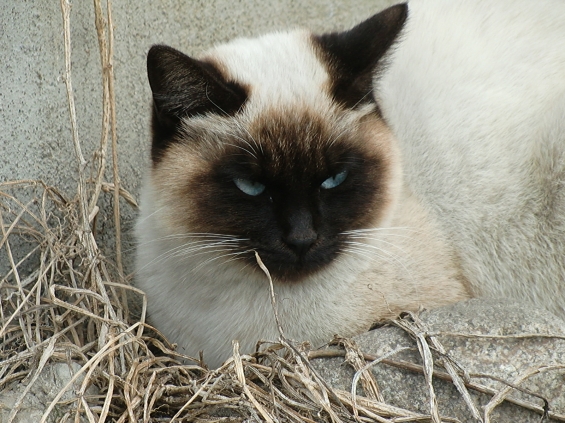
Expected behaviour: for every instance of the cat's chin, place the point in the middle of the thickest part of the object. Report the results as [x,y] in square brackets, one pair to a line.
[291,268]
[293,274]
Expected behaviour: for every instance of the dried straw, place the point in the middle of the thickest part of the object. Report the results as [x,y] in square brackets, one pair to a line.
[63,301]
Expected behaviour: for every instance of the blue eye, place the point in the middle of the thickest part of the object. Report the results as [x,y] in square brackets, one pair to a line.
[334,181]
[249,187]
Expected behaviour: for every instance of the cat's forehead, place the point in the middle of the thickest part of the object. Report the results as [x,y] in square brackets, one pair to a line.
[287,143]
[282,134]
[277,68]
[296,142]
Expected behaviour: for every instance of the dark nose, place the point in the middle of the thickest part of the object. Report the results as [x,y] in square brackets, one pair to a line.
[301,234]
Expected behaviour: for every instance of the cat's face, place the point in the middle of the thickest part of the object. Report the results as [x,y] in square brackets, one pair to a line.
[252,153]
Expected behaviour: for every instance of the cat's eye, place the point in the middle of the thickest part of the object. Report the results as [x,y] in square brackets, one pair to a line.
[335,180]
[249,187]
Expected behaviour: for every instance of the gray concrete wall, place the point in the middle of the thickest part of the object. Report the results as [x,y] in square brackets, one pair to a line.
[35,135]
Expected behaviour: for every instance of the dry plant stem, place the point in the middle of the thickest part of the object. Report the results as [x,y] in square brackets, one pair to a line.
[272,291]
[22,304]
[47,352]
[105,34]
[116,173]
[26,355]
[493,336]
[447,363]
[302,361]
[354,357]
[87,238]
[368,366]
[428,366]
[27,211]
[146,404]
[320,397]
[87,410]
[510,385]
[106,44]
[102,150]
[5,234]
[111,382]
[92,364]
[503,393]
[131,396]
[241,378]
[191,400]
[85,226]
[85,234]
[383,410]
[68,251]
[53,288]
[278,392]
[126,195]
[417,368]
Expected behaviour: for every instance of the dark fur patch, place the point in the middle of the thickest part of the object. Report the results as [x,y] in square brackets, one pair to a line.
[295,225]
[183,87]
[353,56]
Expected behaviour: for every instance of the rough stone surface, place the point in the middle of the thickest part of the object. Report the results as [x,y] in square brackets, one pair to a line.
[50,382]
[506,358]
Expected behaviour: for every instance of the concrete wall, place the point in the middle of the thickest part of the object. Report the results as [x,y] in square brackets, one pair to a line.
[35,135]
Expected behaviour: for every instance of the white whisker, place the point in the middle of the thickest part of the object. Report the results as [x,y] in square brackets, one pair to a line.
[240,138]
[210,260]
[150,215]
[385,229]
[188,236]
[346,128]
[243,148]
[202,249]
[203,243]
[380,240]
[373,249]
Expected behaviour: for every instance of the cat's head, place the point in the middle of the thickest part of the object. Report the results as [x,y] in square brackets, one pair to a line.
[275,144]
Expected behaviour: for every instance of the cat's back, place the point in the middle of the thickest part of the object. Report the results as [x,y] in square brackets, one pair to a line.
[475,92]
[476,68]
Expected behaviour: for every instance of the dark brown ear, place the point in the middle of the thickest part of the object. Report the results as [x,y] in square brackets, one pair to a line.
[184,87]
[353,56]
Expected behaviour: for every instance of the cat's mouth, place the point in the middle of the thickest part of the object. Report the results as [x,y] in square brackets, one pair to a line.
[286,264]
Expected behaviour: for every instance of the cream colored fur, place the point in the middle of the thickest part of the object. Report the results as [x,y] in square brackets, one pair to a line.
[204,309]
[475,94]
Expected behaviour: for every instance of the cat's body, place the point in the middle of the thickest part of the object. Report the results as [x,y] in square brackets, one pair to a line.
[273,145]
[482,133]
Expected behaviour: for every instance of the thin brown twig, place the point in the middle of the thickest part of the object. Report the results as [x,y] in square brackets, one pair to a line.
[428,367]
[503,393]
[449,366]
[417,368]
[85,225]
[103,145]
[300,359]
[115,159]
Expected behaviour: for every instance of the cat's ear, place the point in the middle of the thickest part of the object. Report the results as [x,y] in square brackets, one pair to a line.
[184,87]
[354,56]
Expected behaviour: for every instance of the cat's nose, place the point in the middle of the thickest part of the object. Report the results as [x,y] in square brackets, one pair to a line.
[301,235]
[302,242]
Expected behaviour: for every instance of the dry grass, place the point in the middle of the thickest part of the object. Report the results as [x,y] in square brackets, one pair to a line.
[64,301]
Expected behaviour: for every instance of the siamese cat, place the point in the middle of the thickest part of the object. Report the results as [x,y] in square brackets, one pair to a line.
[415,160]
